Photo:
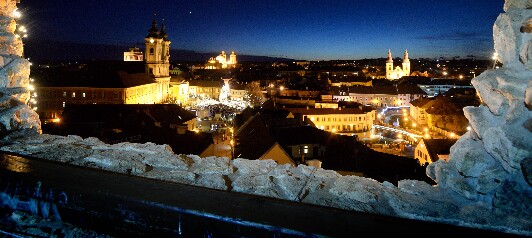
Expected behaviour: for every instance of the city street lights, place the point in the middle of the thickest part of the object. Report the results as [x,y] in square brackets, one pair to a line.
[232,149]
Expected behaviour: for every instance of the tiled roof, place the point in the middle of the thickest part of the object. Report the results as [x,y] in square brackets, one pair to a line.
[438,147]
[253,139]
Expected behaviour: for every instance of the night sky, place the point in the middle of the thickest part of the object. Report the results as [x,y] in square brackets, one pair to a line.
[299,29]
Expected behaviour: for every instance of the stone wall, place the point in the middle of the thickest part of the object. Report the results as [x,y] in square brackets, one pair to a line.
[486,183]
[15,115]
[492,163]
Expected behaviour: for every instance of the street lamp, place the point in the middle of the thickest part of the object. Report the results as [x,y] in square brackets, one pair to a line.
[232,149]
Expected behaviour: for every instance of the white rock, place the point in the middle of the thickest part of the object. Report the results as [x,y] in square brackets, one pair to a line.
[253,167]
[18,118]
[178,176]
[508,38]
[517,4]
[441,172]
[357,189]
[289,181]
[211,165]
[470,157]
[500,145]
[212,180]
[481,119]
[15,72]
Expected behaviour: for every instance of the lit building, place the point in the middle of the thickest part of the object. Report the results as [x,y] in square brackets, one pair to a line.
[205,88]
[179,90]
[126,82]
[379,96]
[398,72]
[339,120]
[221,62]
[432,150]
[134,54]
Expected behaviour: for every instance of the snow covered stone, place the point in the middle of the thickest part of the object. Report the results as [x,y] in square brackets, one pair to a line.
[177,176]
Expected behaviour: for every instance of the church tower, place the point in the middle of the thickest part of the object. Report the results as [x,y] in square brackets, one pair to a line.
[158,58]
[389,66]
[406,64]
[232,59]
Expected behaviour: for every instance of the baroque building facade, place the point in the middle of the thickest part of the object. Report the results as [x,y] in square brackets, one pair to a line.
[128,82]
[398,72]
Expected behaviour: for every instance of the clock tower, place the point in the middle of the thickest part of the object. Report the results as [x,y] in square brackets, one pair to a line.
[158,57]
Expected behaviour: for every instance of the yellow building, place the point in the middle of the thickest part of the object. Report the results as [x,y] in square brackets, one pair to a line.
[339,120]
[125,82]
[398,72]
[179,90]
[431,150]
[221,62]
[205,88]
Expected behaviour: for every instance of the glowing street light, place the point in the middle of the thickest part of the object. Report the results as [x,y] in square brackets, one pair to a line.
[17,14]
[281,88]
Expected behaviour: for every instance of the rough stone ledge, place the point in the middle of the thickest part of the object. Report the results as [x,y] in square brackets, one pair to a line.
[411,199]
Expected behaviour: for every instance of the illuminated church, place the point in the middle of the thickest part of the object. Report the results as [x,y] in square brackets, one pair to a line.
[221,62]
[398,72]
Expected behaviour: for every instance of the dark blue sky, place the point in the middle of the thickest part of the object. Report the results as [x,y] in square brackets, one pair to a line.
[300,29]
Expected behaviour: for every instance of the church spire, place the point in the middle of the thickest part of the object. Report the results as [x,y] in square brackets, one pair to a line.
[153,31]
[405,60]
[163,33]
[390,60]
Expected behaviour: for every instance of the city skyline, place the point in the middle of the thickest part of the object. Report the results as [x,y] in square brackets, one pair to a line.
[292,29]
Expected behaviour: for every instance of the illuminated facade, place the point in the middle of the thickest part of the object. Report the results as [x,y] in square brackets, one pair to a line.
[128,82]
[339,120]
[398,72]
[380,96]
[158,58]
[221,62]
[134,54]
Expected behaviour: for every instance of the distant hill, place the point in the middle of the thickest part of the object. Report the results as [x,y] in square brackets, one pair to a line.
[65,51]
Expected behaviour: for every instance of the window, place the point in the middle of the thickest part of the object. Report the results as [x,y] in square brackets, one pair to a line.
[64,94]
[151,51]
[73,94]
[64,104]
[82,94]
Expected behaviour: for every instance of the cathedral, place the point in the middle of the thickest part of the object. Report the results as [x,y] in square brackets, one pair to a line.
[221,62]
[398,72]
[158,58]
